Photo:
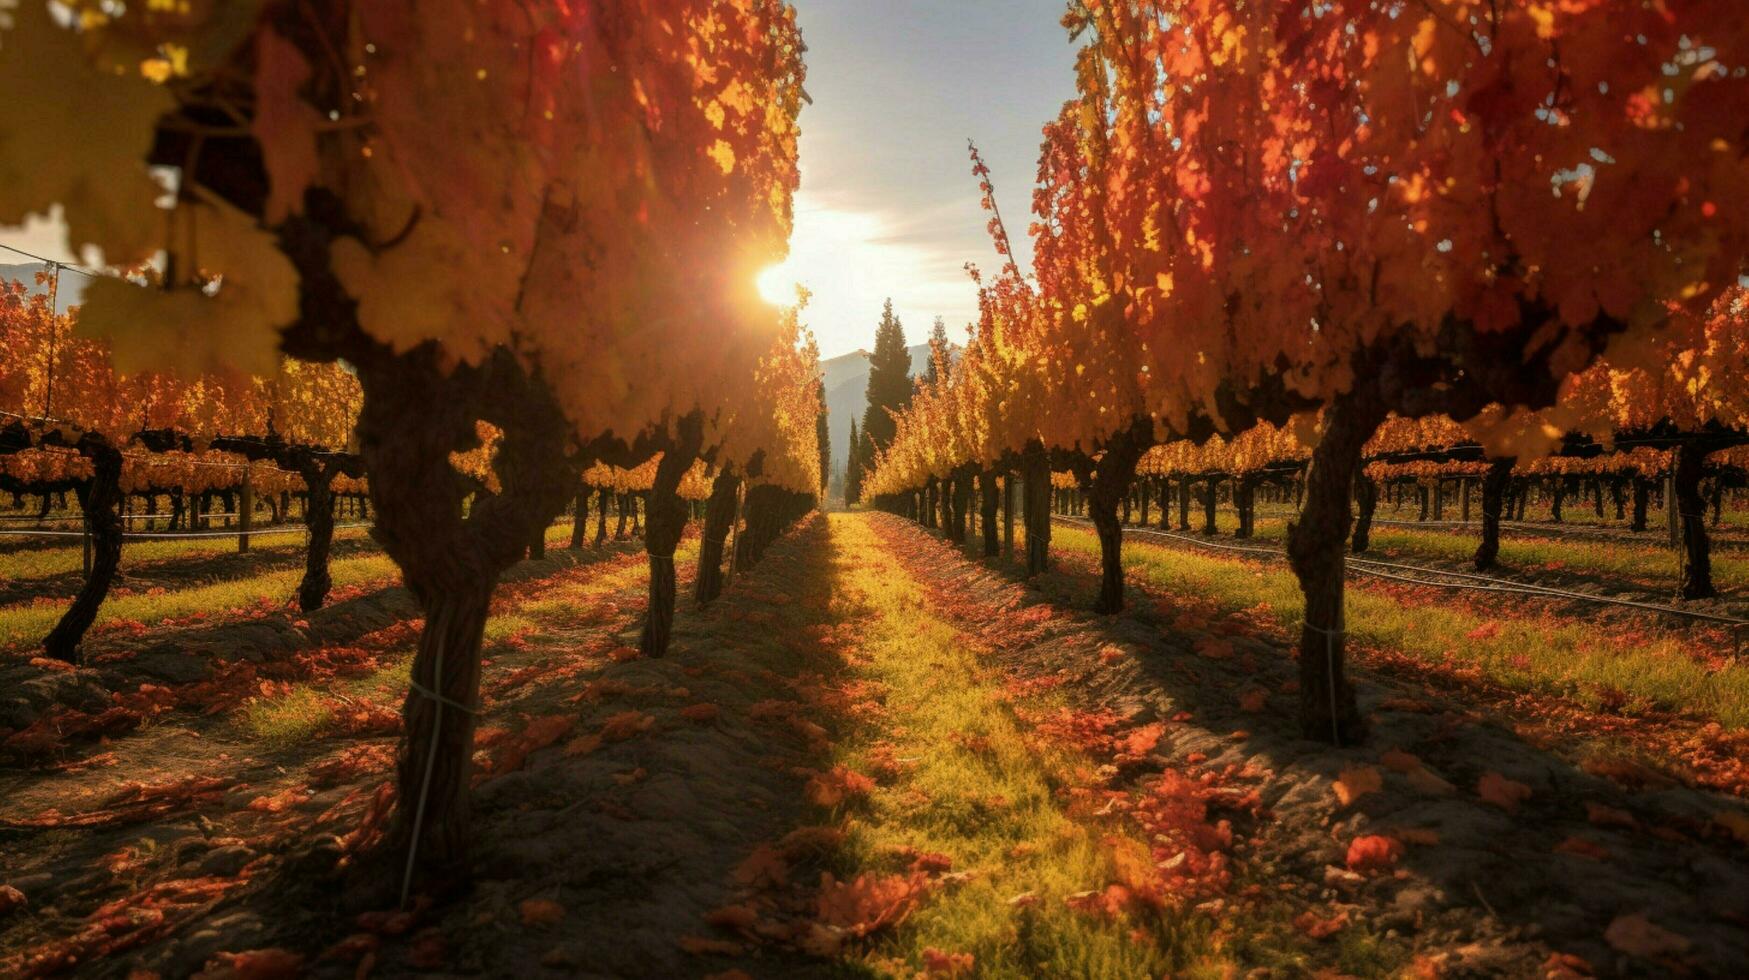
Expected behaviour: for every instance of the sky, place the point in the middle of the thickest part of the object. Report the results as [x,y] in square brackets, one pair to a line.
[888,205]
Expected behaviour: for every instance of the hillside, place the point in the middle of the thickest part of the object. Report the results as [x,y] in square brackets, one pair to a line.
[72,286]
[846,379]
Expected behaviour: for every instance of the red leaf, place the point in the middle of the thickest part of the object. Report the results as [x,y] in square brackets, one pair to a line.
[1373,852]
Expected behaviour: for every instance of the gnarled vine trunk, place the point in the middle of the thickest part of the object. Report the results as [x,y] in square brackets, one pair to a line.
[100,501]
[1108,487]
[719,517]
[664,524]
[1035,471]
[1315,549]
[991,502]
[1493,499]
[1245,502]
[580,521]
[962,504]
[1008,515]
[1366,498]
[319,520]
[1687,469]
[415,414]
[601,501]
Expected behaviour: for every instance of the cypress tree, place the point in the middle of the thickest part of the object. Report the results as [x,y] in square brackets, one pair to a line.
[853,469]
[940,353]
[823,441]
[889,381]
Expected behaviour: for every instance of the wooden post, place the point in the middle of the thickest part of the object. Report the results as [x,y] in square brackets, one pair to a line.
[245,511]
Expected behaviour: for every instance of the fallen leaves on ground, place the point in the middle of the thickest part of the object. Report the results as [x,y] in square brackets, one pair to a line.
[1315,926]
[937,963]
[540,912]
[1373,852]
[1502,792]
[837,785]
[868,902]
[256,964]
[1636,935]
[1355,783]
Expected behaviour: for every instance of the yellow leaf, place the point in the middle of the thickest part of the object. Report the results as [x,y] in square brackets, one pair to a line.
[1357,782]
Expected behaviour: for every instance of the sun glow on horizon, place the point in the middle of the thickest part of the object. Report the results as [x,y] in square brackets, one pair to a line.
[850,261]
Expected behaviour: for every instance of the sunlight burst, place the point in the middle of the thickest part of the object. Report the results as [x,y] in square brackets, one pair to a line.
[777,285]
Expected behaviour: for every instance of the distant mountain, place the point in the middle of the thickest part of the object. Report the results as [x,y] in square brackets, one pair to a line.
[846,379]
[72,288]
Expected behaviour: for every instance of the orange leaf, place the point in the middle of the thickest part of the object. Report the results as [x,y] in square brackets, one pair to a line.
[939,964]
[619,727]
[1355,783]
[1502,792]
[1566,966]
[699,712]
[1214,649]
[701,946]
[842,783]
[1373,852]
[868,902]
[1254,700]
[765,866]
[1314,927]
[1580,847]
[1142,740]
[1636,935]
[1396,760]
[256,964]
[541,912]
[582,745]
[1425,780]
[278,802]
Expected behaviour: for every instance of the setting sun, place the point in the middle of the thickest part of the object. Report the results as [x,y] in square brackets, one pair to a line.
[777,285]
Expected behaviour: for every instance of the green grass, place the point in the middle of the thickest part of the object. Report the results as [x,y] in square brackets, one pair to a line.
[1543,654]
[307,712]
[21,566]
[287,720]
[49,562]
[1650,560]
[940,706]
[27,623]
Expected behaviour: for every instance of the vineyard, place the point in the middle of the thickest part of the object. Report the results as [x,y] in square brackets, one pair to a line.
[422,549]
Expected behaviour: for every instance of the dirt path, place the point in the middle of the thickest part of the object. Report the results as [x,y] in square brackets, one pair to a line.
[1506,853]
